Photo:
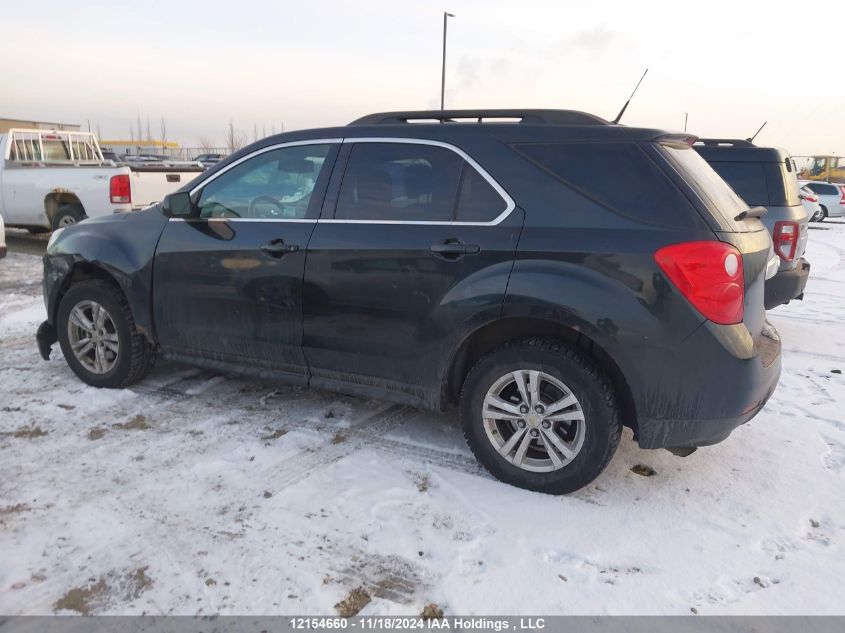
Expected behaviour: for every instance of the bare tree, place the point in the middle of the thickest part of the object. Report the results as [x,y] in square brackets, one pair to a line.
[205,144]
[140,131]
[99,134]
[149,134]
[131,133]
[254,132]
[163,130]
[234,140]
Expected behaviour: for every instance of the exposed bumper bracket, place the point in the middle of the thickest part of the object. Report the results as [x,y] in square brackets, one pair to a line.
[45,337]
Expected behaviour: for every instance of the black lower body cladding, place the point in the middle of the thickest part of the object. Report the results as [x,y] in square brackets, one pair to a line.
[711,387]
[787,285]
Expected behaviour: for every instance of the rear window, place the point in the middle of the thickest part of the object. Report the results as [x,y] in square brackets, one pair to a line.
[617,175]
[720,198]
[761,184]
[747,179]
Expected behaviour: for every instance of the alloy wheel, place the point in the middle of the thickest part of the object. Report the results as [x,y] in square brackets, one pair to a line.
[534,421]
[93,337]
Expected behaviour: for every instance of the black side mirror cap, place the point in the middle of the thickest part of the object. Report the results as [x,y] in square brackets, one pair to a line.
[178,205]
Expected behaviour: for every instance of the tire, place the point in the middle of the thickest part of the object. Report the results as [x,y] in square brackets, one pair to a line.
[823,216]
[67,215]
[133,357]
[599,430]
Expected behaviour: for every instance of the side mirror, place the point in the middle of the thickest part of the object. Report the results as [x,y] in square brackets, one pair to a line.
[178,205]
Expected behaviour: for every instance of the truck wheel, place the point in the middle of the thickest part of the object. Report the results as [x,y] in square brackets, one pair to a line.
[67,215]
[98,336]
[540,415]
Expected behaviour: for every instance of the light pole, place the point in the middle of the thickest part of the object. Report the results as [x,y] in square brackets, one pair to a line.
[446,16]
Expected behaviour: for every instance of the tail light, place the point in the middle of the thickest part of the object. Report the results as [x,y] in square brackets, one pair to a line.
[119,190]
[709,275]
[810,198]
[842,190]
[785,238]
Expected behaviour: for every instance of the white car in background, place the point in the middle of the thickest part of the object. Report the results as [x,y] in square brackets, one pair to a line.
[831,197]
[811,204]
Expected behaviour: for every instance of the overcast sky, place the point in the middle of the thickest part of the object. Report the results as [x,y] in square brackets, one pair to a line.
[731,65]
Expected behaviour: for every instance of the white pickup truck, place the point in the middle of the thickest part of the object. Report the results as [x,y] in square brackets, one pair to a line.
[50,179]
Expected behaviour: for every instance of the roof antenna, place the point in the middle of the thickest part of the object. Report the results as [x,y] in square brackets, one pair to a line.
[625,107]
[751,140]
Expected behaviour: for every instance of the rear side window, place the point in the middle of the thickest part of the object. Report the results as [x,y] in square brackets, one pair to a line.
[618,175]
[412,182]
[478,201]
[399,182]
[747,179]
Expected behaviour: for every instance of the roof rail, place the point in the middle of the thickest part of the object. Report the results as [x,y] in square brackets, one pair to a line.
[731,142]
[546,117]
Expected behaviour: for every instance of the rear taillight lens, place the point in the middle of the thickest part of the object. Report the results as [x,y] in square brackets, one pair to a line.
[709,275]
[842,190]
[810,198]
[785,238]
[119,190]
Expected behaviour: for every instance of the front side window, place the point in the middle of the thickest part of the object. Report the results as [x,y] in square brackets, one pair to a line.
[274,185]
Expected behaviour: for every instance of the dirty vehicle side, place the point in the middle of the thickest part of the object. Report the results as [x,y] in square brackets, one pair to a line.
[765,177]
[50,179]
[487,265]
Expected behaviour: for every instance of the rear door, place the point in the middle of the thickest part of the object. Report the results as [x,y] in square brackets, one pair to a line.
[413,249]
[227,286]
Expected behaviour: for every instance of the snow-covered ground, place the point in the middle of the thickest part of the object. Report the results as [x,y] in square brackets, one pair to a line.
[198,493]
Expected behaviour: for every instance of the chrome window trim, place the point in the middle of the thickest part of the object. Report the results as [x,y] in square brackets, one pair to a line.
[510,205]
[264,150]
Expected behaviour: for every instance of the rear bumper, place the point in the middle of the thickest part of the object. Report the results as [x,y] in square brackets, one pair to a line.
[787,285]
[711,391]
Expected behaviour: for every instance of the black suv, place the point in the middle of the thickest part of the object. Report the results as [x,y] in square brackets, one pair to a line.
[552,275]
[766,177]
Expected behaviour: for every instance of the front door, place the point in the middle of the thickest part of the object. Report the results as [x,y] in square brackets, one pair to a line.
[228,284]
[415,253]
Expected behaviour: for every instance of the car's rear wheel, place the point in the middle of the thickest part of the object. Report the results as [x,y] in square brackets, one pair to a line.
[66,216]
[823,216]
[541,416]
[98,337]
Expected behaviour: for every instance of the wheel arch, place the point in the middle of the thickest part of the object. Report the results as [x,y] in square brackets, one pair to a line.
[86,271]
[57,199]
[488,337]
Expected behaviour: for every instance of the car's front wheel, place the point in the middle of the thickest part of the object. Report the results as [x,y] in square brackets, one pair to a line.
[540,415]
[98,337]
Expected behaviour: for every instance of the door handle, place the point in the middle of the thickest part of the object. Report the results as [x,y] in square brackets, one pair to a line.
[278,248]
[453,249]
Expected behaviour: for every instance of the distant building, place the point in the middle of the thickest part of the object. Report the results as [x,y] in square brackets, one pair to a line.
[8,124]
[134,148]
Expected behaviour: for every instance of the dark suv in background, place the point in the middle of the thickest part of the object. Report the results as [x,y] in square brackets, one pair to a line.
[766,177]
[552,275]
